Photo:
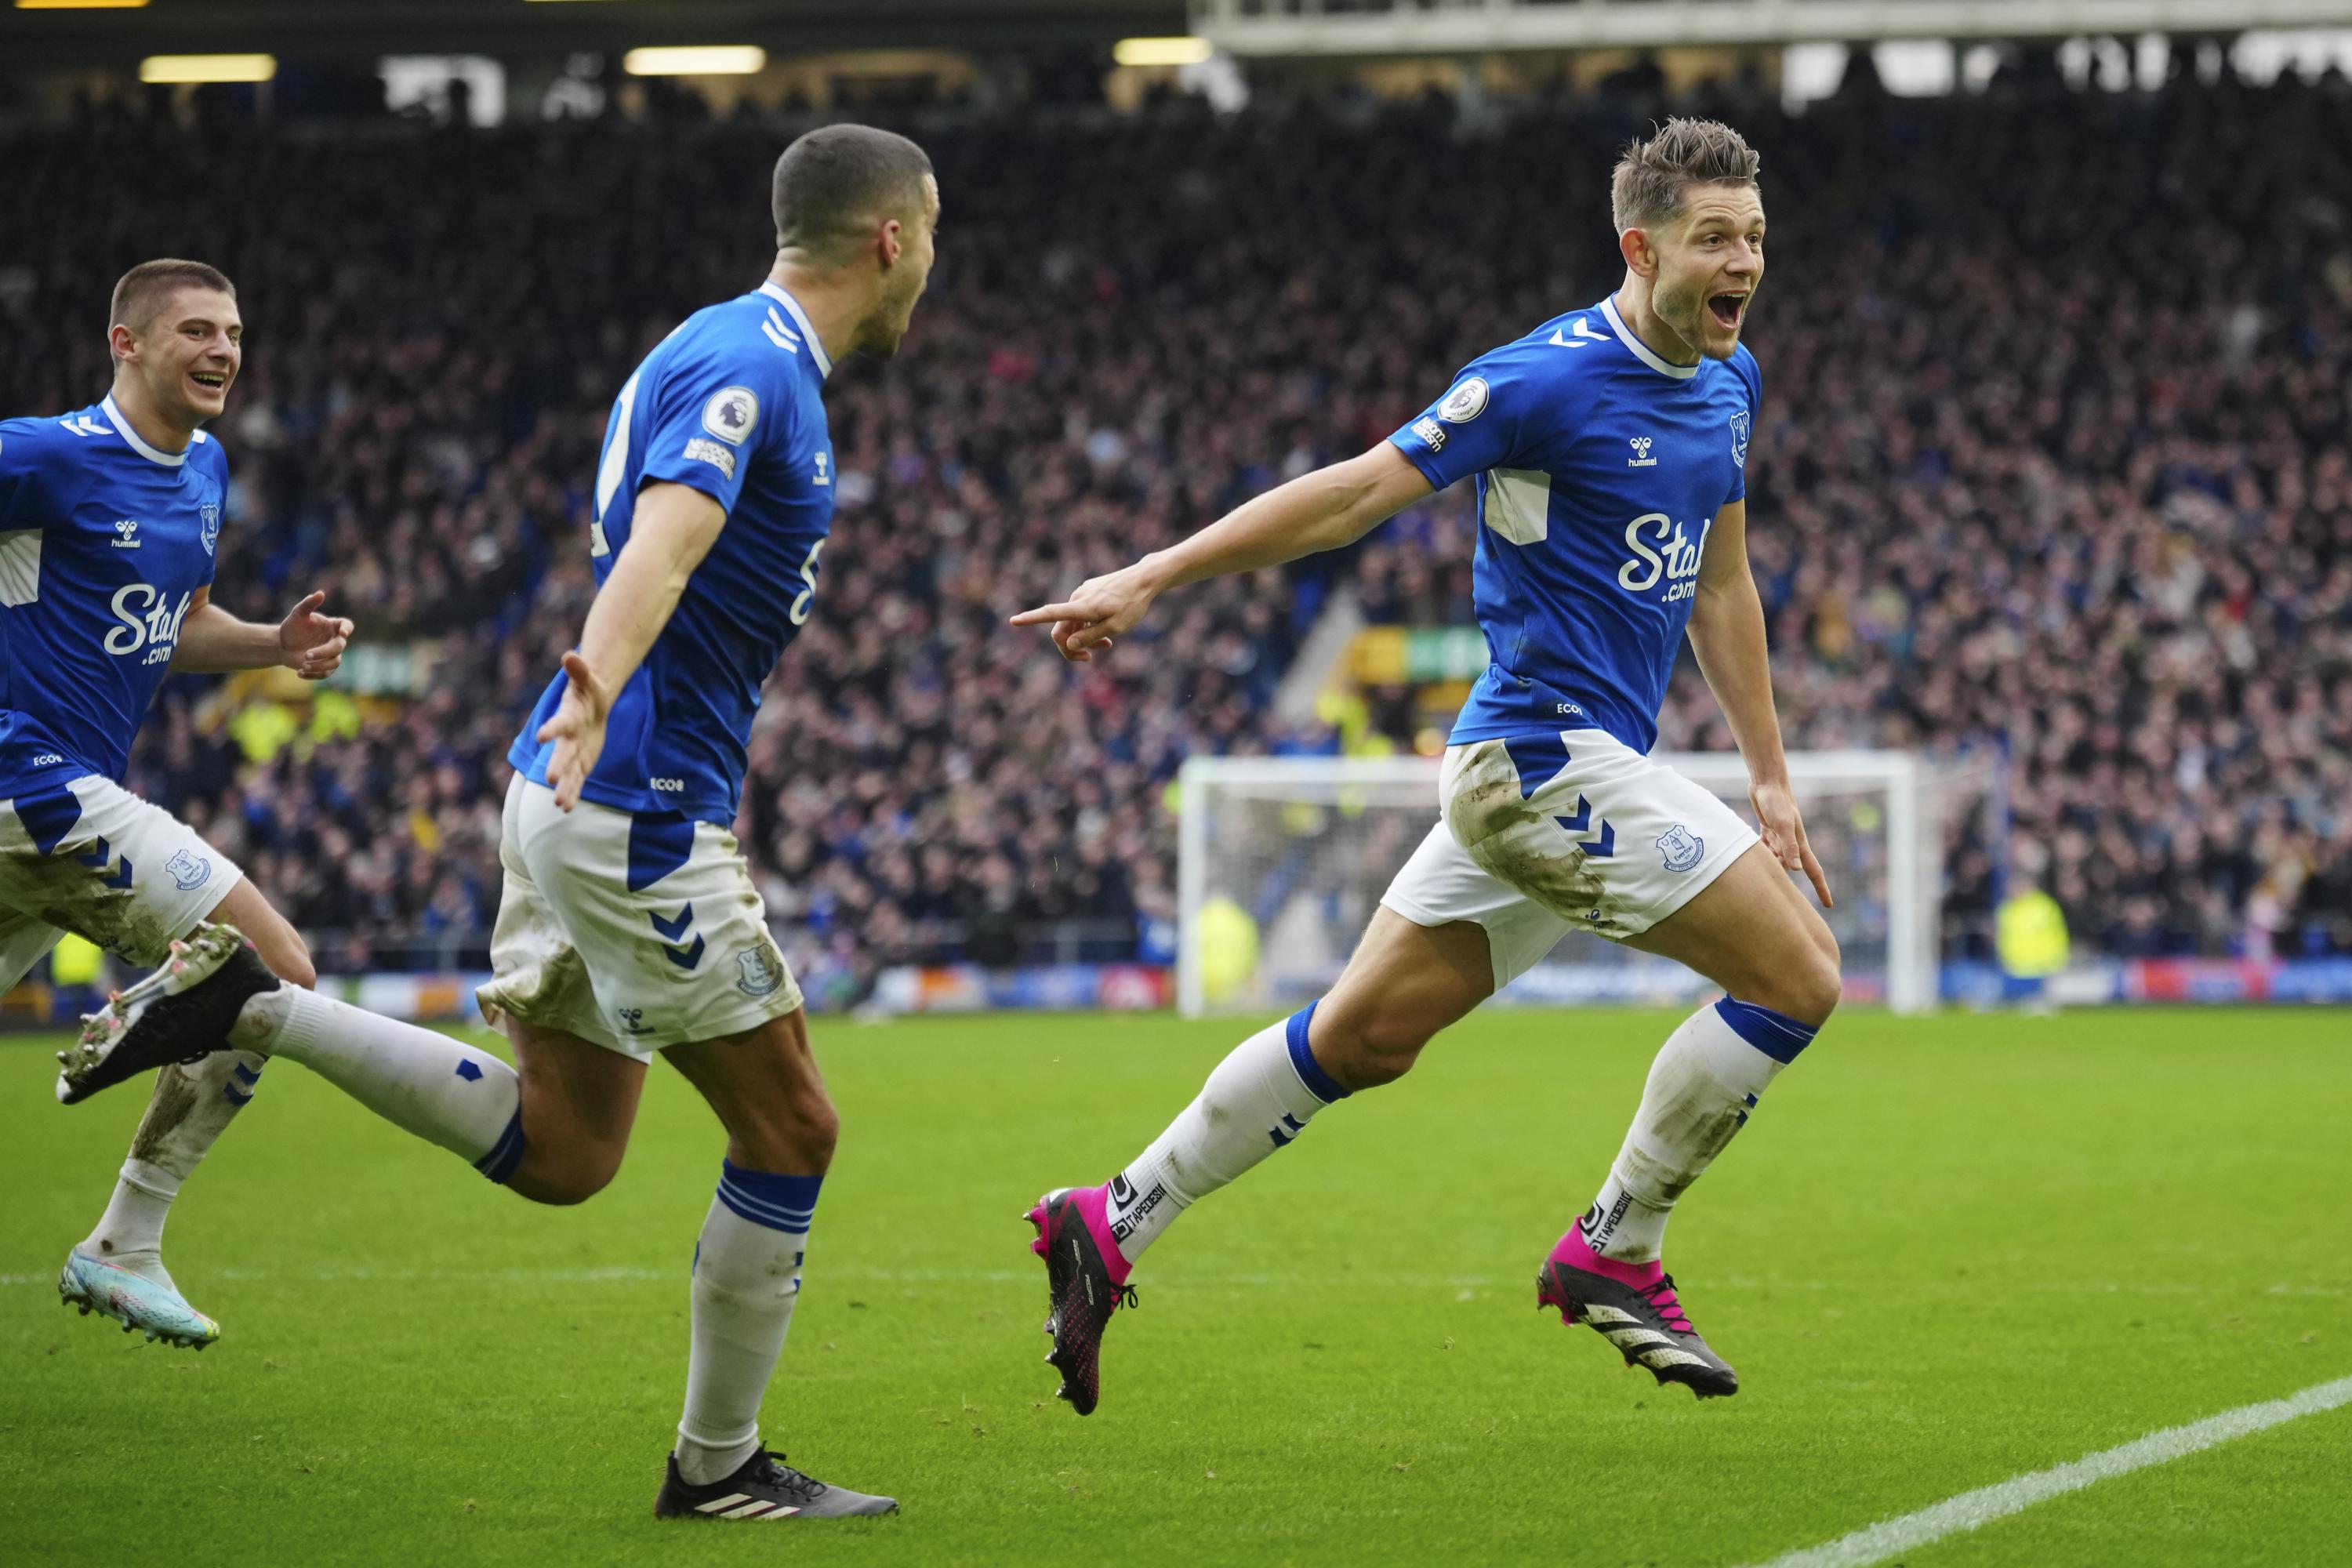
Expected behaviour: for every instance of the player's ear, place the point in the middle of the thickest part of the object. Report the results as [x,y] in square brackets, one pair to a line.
[1640,258]
[122,342]
[892,243]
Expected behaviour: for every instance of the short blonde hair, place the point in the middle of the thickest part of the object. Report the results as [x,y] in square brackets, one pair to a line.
[1655,176]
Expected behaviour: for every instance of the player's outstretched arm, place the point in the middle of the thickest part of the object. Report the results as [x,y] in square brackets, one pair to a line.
[213,641]
[1322,510]
[1726,633]
[673,528]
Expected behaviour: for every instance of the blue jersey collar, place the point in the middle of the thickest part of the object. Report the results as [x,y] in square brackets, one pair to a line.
[1642,350]
[152,454]
[775,290]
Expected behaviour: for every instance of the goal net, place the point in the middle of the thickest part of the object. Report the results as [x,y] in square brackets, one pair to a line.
[1282,860]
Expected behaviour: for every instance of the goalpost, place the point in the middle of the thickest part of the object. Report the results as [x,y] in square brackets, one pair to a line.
[1281,861]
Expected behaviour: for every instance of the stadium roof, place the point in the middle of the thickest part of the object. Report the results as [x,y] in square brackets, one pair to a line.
[48,37]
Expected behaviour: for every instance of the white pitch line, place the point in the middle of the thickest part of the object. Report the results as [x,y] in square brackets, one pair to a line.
[1877,1542]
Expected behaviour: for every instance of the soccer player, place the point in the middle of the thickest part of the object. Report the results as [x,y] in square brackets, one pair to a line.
[1609,446]
[629,923]
[109,521]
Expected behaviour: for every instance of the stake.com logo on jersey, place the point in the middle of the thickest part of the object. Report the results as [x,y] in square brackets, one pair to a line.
[1662,550]
[149,621]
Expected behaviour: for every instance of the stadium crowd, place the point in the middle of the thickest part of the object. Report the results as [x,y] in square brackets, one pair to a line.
[2054,460]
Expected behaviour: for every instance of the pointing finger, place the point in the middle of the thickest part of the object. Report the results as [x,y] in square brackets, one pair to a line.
[1820,881]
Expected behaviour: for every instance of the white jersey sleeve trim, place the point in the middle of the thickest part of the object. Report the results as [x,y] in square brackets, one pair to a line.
[1642,350]
[775,290]
[1518,504]
[123,429]
[20,567]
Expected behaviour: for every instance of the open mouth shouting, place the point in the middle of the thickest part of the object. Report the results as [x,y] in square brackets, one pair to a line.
[1729,309]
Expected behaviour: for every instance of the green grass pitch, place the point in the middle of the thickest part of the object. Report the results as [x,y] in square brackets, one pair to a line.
[1948,1251]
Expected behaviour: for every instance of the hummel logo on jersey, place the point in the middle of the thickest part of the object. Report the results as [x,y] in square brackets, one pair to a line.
[129,529]
[1640,457]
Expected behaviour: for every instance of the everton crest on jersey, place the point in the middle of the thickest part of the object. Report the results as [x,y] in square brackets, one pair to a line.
[104,543]
[729,404]
[1600,467]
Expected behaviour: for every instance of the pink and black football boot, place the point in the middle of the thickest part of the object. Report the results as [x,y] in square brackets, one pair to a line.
[1088,1277]
[1634,1306]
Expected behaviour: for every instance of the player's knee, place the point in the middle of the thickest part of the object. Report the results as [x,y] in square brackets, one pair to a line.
[282,949]
[1810,989]
[294,967]
[797,1133]
[1367,1053]
[816,1129]
[561,1179]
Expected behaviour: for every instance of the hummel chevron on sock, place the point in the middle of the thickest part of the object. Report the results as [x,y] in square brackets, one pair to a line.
[446,1092]
[190,1106]
[747,1275]
[1255,1101]
[1707,1078]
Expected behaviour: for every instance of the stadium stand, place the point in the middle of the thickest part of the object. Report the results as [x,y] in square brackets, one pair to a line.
[2055,463]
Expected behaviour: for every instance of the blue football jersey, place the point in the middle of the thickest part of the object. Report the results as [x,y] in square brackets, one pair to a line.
[104,542]
[730,403]
[1600,468]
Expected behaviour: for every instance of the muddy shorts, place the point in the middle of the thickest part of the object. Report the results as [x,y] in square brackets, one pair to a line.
[1542,835]
[91,857]
[632,931]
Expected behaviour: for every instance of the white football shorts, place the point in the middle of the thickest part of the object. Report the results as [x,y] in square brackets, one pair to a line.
[1544,835]
[90,857]
[636,932]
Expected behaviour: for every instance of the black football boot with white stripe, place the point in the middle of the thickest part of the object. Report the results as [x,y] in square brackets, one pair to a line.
[763,1488]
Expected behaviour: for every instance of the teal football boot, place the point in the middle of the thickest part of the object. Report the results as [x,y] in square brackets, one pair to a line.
[145,1303]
